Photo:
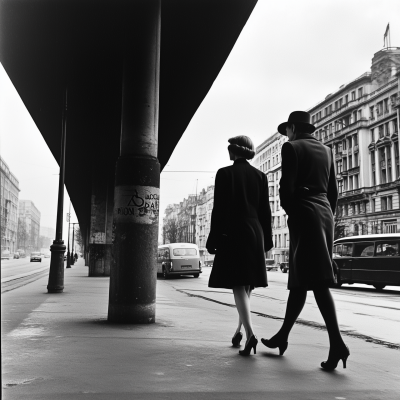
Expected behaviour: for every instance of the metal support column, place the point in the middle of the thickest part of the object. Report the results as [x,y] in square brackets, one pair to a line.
[57,249]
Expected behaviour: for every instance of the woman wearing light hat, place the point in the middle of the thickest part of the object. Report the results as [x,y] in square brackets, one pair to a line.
[240,232]
[308,194]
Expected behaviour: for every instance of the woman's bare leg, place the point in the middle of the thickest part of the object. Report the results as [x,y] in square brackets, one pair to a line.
[239,327]
[242,300]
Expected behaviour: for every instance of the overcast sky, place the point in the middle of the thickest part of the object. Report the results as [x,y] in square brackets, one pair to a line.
[290,55]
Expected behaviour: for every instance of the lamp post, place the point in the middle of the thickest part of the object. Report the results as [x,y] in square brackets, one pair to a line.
[69,225]
[73,234]
[57,249]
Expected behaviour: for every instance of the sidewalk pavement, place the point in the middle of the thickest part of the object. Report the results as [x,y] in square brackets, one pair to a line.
[60,346]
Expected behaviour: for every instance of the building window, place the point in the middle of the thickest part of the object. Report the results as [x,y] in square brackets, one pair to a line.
[355,229]
[383,203]
[380,131]
[373,205]
[340,186]
[346,209]
[389,226]
[339,166]
[355,181]
[350,162]
[353,95]
[345,186]
[360,92]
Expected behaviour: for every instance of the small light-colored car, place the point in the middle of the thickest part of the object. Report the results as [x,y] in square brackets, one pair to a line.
[270,264]
[36,256]
[6,255]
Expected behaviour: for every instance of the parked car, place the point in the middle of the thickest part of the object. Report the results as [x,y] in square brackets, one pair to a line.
[21,253]
[270,264]
[46,255]
[5,254]
[16,255]
[369,259]
[36,256]
[284,266]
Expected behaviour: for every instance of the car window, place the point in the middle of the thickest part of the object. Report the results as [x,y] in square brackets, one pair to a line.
[347,249]
[388,248]
[337,251]
[363,249]
[35,254]
[184,252]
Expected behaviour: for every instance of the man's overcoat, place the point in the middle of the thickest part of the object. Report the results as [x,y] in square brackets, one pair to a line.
[240,227]
[308,194]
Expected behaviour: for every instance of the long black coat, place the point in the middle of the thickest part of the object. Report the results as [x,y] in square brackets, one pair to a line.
[308,194]
[240,227]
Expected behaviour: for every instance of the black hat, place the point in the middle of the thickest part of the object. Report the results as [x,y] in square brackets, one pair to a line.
[298,118]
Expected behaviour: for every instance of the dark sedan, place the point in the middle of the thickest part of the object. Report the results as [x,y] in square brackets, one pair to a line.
[36,256]
[284,266]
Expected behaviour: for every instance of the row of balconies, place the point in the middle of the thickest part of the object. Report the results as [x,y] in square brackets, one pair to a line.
[362,123]
[371,189]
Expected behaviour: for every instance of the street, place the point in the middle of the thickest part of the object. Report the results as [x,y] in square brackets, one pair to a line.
[363,311]
[19,272]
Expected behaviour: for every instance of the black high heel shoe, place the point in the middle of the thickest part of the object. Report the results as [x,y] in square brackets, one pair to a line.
[334,357]
[237,339]
[251,344]
[274,343]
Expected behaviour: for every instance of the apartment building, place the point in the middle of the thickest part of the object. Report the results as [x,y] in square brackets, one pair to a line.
[268,160]
[360,122]
[28,212]
[9,192]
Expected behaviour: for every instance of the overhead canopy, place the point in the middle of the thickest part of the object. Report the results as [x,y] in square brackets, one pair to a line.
[46,43]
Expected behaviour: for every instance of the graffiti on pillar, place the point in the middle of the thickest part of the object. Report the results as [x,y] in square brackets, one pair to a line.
[98,237]
[138,204]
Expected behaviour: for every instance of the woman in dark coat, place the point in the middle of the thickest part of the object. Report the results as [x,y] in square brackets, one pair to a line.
[240,231]
[308,194]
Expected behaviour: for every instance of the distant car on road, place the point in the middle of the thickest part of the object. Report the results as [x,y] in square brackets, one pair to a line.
[16,255]
[284,266]
[21,253]
[46,255]
[36,256]
[270,264]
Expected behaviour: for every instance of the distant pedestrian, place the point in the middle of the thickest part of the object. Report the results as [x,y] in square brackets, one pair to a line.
[240,233]
[308,194]
[76,257]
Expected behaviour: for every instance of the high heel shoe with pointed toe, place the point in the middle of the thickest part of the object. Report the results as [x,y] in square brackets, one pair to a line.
[334,357]
[274,343]
[251,344]
[237,339]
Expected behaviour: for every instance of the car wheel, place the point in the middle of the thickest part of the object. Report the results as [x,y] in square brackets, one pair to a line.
[338,283]
[165,273]
[379,287]
[196,275]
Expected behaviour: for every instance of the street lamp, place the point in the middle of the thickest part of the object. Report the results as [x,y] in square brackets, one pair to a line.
[57,249]
[69,224]
[73,233]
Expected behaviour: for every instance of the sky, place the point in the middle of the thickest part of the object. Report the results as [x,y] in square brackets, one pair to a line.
[290,55]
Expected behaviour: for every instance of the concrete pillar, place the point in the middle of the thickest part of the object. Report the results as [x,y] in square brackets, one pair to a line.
[137,177]
[100,240]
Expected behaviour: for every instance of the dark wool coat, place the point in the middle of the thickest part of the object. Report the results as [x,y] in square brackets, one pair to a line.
[240,227]
[308,194]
